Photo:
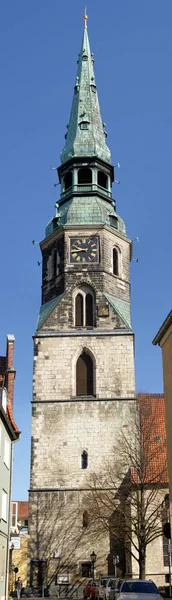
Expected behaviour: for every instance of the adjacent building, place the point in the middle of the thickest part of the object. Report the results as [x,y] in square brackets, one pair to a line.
[19,540]
[164,339]
[152,407]
[9,433]
[84,381]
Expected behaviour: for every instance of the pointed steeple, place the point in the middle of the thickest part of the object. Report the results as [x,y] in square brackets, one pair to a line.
[85,133]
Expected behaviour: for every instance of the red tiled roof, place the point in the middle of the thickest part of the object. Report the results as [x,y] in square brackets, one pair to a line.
[152,416]
[10,416]
[22,508]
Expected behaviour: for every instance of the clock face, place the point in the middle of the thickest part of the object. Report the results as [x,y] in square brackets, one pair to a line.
[84,250]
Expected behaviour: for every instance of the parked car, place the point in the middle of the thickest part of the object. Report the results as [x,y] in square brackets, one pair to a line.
[106,583]
[136,589]
[90,589]
[111,586]
[114,591]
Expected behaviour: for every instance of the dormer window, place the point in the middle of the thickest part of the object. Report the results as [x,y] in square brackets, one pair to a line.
[84,125]
[84,55]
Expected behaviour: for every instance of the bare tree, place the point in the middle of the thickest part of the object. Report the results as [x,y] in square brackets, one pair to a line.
[56,530]
[127,499]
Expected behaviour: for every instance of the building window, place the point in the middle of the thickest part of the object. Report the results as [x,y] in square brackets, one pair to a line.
[115,261]
[84,176]
[84,460]
[89,310]
[84,375]
[54,263]
[79,310]
[68,181]
[165,541]
[85,569]
[84,308]
[102,180]
[4,506]
[7,453]
[85,518]
[2,563]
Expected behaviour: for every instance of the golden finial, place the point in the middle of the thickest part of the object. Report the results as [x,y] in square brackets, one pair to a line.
[85,17]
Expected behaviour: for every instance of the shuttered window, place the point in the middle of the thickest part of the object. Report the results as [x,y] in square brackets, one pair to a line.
[79,310]
[84,375]
[115,261]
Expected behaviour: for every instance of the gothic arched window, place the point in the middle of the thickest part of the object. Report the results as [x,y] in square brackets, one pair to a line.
[89,310]
[102,179]
[85,518]
[79,310]
[84,460]
[84,307]
[84,176]
[84,375]
[54,263]
[115,262]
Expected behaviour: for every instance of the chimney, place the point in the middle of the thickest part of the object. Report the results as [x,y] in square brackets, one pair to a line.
[10,371]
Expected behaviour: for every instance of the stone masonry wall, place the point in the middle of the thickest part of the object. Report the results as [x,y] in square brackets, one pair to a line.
[62,431]
[100,273]
[55,366]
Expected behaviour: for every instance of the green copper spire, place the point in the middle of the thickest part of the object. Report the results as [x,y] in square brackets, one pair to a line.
[85,133]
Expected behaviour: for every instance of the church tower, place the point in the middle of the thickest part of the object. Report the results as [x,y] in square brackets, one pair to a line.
[83,381]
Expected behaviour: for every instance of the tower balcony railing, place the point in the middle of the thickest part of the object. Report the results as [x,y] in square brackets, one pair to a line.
[85,187]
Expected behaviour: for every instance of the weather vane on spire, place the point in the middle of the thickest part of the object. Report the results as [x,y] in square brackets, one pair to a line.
[85,17]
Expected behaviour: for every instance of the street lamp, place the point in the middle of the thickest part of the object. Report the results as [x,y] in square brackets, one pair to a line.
[93,557]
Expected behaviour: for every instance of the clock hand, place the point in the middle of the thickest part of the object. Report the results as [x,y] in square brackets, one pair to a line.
[80,250]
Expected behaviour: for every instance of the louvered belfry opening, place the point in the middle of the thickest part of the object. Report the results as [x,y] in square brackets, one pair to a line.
[102,179]
[115,261]
[68,180]
[84,176]
[84,375]
[89,310]
[79,310]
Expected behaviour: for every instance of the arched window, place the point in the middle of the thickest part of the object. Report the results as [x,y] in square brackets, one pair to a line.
[85,518]
[115,261]
[54,265]
[84,460]
[84,375]
[68,180]
[89,310]
[84,176]
[79,310]
[102,179]
[84,307]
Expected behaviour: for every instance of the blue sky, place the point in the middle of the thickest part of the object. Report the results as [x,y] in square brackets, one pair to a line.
[39,43]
